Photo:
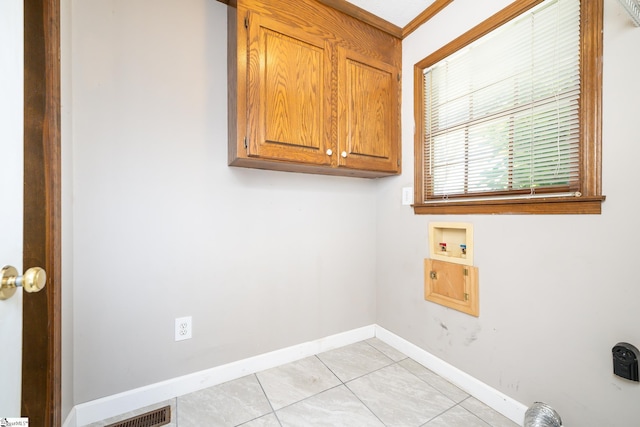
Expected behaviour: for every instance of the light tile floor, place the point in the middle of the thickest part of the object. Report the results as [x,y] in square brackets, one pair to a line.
[368,383]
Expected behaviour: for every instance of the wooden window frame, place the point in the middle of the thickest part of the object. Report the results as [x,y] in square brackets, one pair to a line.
[591,17]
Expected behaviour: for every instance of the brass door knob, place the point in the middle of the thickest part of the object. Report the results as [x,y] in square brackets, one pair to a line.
[33,280]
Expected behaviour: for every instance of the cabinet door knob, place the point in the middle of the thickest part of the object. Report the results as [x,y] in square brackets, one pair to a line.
[329,151]
[344,154]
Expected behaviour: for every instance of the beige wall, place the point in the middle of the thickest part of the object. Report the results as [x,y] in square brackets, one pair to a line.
[163,228]
[556,292]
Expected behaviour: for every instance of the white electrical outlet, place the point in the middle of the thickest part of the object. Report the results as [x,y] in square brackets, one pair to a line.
[183,328]
[407,195]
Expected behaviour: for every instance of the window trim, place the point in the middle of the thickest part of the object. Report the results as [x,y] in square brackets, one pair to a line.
[591,21]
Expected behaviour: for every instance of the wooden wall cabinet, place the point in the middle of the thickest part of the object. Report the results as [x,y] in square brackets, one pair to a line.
[312,90]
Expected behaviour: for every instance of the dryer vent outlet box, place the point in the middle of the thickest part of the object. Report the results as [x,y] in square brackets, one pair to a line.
[625,361]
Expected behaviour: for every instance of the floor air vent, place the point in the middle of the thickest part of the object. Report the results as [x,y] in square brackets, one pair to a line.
[155,418]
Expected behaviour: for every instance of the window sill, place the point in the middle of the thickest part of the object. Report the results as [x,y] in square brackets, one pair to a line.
[541,206]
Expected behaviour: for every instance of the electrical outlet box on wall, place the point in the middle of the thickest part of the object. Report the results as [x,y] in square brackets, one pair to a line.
[451,242]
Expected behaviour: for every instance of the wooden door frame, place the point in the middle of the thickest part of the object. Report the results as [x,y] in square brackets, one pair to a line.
[41,346]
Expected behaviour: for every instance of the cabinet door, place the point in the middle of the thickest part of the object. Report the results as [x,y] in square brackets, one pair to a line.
[289,95]
[368,93]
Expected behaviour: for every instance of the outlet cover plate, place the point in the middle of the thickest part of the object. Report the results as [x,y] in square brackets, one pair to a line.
[184,329]
[407,196]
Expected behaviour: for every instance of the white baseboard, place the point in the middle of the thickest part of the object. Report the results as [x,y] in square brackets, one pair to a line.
[70,421]
[111,406]
[502,403]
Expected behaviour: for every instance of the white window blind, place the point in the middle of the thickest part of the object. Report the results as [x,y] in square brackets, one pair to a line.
[502,114]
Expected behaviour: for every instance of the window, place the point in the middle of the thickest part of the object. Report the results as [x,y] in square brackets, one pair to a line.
[509,114]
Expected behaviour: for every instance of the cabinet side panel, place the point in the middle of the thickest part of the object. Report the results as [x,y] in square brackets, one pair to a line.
[232,82]
[237,82]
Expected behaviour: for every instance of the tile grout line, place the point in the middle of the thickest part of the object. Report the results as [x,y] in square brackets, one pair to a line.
[473,412]
[273,411]
[393,362]
[343,383]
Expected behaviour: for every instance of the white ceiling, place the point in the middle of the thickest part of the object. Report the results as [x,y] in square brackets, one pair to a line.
[398,12]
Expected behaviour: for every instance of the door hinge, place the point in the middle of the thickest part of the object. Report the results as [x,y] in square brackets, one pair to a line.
[466,296]
[399,77]
[246,145]
[466,271]
[246,22]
